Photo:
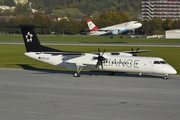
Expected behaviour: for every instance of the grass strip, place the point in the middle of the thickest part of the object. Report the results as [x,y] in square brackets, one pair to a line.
[12,56]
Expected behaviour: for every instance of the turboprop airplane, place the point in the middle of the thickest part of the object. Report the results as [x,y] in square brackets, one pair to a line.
[127,27]
[106,61]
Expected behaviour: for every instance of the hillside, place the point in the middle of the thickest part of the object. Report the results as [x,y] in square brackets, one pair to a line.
[85,7]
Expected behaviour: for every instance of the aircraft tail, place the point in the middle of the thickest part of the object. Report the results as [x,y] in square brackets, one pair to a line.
[91,25]
[31,40]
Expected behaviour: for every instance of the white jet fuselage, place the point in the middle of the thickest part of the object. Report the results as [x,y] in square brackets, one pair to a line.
[117,29]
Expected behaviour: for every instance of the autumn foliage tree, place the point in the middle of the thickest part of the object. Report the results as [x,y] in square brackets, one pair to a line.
[71,26]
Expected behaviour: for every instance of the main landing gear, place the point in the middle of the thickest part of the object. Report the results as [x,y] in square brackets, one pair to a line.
[111,73]
[111,36]
[77,74]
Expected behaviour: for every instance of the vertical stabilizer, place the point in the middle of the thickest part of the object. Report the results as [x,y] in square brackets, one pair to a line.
[91,25]
[30,38]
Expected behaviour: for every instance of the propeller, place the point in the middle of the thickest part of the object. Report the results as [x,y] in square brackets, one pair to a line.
[134,53]
[100,58]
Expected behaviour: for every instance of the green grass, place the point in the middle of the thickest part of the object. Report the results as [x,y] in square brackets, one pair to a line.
[12,56]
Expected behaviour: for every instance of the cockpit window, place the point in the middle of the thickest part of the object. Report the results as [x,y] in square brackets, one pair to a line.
[159,62]
[136,22]
[162,62]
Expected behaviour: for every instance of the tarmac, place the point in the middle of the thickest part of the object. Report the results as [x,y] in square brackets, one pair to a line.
[57,95]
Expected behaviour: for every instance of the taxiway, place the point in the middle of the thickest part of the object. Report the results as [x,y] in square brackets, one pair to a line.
[99,44]
[56,95]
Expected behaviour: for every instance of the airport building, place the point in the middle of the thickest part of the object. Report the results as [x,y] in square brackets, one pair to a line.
[172,34]
[160,8]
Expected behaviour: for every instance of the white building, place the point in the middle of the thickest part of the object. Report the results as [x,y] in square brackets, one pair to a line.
[173,34]
[160,8]
[3,8]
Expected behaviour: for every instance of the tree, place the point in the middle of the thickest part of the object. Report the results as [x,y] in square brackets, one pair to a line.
[175,24]
[48,11]
[3,25]
[111,18]
[38,4]
[167,24]
[9,3]
[47,22]
[156,26]
[146,27]
[21,19]
[38,20]
[73,27]
[62,26]
[22,9]
[12,22]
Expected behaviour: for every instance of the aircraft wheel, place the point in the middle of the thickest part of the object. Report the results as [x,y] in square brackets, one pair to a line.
[111,73]
[166,77]
[111,36]
[77,74]
[120,36]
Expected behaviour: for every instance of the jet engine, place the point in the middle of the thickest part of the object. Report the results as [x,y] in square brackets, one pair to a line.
[116,32]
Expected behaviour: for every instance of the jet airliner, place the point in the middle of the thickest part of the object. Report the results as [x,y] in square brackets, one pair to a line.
[127,27]
[111,62]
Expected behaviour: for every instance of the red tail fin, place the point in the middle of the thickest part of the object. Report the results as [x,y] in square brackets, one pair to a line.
[91,25]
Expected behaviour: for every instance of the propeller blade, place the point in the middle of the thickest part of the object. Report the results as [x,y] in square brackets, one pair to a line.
[99,64]
[98,50]
[100,58]
[104,51]
[132,49]
[137,49]
[134,52]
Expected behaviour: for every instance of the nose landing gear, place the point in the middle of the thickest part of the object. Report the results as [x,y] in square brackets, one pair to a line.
[166,77]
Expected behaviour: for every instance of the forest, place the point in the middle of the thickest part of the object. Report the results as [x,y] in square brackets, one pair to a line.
[88,7]
[102,13]
[73,27]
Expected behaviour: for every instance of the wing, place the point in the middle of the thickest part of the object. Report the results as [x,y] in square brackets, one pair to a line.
[113,27]
[138,51]
[64,53]
[134,53]
[80,59]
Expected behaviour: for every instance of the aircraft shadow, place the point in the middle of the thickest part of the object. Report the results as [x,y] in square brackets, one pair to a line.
[89,73]
[29,67]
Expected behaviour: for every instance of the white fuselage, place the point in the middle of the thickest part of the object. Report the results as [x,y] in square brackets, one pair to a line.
[117,29]
[115,63]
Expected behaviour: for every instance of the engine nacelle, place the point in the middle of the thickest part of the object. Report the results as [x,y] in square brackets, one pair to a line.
[130,31]
[115,32]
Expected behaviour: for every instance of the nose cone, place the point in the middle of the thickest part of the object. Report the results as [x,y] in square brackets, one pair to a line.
[171,70]
[136,25]
[139,25]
